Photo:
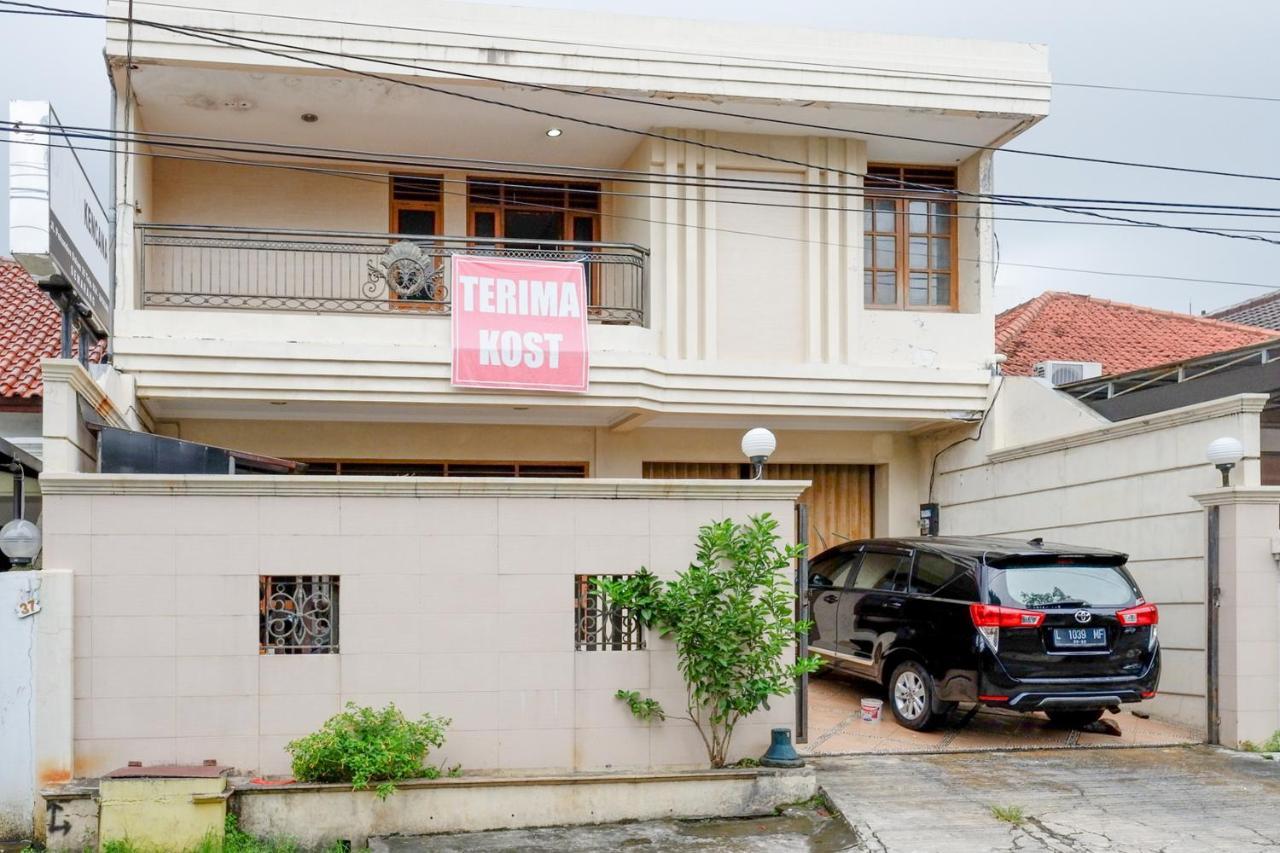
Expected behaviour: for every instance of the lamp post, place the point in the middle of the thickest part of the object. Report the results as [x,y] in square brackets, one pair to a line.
[20,542]
[1225,453]
[758,445]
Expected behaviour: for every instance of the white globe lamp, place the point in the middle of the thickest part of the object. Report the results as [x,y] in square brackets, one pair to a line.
[758,445]
[20,541]
[1225,453]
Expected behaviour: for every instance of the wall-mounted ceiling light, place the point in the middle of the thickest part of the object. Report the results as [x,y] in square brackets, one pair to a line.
[310,118]
[553,132]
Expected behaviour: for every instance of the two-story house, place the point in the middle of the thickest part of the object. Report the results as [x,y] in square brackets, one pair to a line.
[781,228]
[775,227]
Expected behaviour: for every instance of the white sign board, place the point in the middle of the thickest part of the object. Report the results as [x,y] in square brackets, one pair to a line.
[57,225]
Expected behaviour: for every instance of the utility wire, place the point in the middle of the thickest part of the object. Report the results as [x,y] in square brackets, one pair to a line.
[202,32]
[320,153]
[380,178]
[710,59]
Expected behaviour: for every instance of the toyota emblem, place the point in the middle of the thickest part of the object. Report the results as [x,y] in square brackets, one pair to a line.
[1083,616]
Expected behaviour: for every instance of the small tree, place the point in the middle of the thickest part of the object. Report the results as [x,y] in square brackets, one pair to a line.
[731,616]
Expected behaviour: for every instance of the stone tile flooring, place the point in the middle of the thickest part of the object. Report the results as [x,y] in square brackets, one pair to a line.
[836,727]
[1185,799]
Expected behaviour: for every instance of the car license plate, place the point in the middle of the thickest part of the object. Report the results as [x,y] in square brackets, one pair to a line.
[1079,638]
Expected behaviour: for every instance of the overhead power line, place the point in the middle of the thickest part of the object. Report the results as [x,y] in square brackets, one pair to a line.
[666,179]
[709,59]
[194,31]
[248,43]
[378,177]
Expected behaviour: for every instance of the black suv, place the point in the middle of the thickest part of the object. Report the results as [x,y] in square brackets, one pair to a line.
[1023,625]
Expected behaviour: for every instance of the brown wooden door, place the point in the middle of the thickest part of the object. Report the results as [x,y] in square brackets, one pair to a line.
[839,498]
[839,501]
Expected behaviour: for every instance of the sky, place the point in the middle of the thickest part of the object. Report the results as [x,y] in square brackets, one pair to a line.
[1227,46]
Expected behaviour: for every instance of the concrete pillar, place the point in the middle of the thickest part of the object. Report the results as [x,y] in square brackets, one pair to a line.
[36,728]
[1248,611]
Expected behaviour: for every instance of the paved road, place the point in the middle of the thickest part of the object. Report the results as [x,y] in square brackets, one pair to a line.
[1163,800]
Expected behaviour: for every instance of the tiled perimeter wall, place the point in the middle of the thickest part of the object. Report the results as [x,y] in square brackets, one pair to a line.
[461,606]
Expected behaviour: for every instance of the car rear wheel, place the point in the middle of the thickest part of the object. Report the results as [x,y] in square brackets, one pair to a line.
[913,697]
[1074,719]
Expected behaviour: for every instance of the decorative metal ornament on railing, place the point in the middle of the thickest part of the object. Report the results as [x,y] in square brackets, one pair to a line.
[298,615]
[406,270]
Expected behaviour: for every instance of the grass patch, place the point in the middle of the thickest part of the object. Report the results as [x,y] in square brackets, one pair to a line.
[1009,814]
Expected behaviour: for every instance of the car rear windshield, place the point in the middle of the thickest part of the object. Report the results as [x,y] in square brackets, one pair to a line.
[1050,586]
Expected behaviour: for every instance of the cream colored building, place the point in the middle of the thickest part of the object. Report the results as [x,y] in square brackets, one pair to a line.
[728,283]
[781,228]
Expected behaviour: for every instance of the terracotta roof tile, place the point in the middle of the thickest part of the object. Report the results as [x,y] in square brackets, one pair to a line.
[30,328]
[1073,327]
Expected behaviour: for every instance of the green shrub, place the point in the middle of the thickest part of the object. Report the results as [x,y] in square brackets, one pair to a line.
[731,614]
[363,745]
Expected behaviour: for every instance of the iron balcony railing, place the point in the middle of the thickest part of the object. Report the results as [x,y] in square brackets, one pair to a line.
[201,266]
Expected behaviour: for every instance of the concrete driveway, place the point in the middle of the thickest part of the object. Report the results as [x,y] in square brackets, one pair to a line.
[836,727]
[1168,799]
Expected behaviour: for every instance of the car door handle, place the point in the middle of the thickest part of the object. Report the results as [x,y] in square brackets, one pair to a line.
[831,598]
[896,604]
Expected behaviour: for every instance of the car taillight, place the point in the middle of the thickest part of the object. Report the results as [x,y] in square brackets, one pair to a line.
[1143,614]
[995,616]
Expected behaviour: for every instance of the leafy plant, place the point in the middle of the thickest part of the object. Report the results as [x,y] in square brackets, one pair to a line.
[1271,744]
[362,746]
[1009,814]
[731,617]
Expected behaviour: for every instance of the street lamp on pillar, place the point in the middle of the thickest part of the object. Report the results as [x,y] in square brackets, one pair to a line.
[1225,453]
[758,445]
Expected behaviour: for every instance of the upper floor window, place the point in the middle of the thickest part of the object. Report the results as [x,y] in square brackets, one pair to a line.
[416,205]
[526,209]
[909,237]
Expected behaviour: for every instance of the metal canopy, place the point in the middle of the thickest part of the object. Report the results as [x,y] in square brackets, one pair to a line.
[1253,369]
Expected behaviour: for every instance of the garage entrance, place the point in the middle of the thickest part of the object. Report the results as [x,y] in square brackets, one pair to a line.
[839,501]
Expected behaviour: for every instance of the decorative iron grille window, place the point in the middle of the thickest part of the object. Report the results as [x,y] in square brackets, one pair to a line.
[600,625]
[298,614]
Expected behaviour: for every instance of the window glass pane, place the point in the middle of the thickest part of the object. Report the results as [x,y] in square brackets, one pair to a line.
[886,288]
[866,287]
[941,253]
[882,572]
[918,221]
[868,246]
[886,251]
[584,229]
[936,575]
[918,253]
[485,224]
[884,215]
[918,291]
[415,221]
[942,217]
[941,289]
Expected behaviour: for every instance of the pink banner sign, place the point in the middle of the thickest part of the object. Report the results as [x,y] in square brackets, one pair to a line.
[519,324]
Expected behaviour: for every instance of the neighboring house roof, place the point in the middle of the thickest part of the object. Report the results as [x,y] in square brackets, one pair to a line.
[30,329]
[1059,326]
[1262,311]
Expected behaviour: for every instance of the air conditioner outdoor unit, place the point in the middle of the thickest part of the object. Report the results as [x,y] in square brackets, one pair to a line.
[1066,372]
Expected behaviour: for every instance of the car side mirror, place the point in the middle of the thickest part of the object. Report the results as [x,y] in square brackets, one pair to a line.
[817,581]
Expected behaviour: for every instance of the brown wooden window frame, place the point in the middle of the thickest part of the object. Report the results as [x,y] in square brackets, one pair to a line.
[899,185]
[501,187]
[400,202]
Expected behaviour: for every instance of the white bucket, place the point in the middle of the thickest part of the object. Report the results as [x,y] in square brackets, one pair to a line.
[871,710]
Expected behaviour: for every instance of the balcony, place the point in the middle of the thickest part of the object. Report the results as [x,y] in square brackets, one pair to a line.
[213,267]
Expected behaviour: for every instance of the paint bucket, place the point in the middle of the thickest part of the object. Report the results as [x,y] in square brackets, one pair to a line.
[871,709]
